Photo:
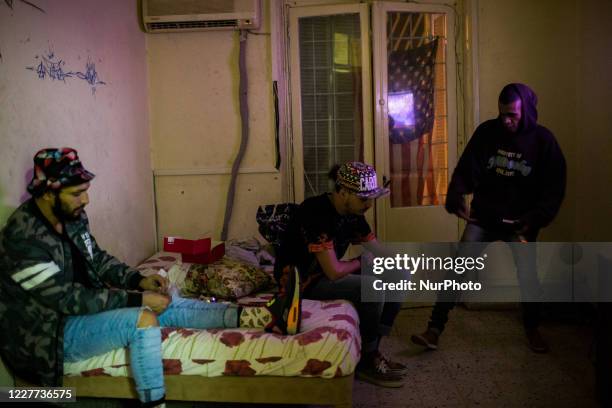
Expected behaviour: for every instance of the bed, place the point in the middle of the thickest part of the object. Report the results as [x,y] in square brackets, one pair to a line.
[241,365]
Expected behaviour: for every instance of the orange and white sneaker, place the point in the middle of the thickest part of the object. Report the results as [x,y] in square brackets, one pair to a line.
[286,309]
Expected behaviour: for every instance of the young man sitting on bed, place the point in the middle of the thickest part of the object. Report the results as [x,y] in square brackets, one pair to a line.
[317,238]
[63,298]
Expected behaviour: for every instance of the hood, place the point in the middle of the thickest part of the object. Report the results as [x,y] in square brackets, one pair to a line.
[529,112]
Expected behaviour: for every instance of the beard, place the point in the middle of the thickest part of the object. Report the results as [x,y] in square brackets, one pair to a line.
[510,130]
[64,214]
[356,210]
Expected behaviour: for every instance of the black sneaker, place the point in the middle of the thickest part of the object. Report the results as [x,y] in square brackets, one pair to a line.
[536,342]
[377,372]
[395,367]
[286,308]
[428,339]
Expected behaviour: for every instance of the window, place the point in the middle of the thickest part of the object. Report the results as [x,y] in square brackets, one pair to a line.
[331,108]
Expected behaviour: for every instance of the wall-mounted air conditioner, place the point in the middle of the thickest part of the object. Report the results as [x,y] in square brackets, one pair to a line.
[164,16]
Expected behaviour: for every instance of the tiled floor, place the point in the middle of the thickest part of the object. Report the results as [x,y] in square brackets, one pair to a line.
[482,362]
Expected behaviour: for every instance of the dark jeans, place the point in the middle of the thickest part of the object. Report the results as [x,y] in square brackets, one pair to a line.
[603,356]
[375,318]
[524,260]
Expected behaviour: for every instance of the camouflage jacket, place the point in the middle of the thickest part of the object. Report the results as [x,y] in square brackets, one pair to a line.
[38,289]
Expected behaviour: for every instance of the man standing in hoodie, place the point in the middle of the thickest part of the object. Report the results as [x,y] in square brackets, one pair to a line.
[516,172]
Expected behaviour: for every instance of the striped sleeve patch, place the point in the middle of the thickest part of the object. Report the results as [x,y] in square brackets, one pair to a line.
[370,237]
[34,275]
[320,247]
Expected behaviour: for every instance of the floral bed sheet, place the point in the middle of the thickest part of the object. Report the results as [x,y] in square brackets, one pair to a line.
[327,346]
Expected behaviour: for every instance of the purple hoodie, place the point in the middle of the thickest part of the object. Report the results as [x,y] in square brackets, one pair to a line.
[518,176]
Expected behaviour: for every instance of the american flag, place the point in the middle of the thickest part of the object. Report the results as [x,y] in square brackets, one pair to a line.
[411,92]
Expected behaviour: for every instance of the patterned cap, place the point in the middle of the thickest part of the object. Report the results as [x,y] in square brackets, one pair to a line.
[57,168]
[360,179]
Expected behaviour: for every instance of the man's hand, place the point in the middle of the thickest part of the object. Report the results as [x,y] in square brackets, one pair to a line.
[367,261]
[522,231]
[462,212]
[334,268]
[155,283]
[156,301]
[520,228]
[455,204]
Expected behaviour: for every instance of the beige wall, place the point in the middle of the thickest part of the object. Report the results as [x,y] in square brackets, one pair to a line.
[109,128]
[195,128]
[593,195]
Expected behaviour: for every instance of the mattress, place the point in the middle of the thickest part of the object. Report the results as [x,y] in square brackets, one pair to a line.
[327,346]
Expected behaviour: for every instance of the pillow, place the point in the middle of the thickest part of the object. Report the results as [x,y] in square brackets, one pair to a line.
[158,261]
[225,279]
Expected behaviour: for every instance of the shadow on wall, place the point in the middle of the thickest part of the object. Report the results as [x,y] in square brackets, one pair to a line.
[5,210]
[28,177]
[6,379]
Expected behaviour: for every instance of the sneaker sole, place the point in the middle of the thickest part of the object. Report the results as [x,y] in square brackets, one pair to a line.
[294,311]
[538,350]
[420,340]
[400,372]
[382,383]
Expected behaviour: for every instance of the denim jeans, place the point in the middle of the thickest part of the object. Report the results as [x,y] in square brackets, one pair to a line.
[91,335]
[524,260]
[375,318]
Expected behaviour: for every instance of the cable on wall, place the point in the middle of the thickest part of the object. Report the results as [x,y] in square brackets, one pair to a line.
[244,119]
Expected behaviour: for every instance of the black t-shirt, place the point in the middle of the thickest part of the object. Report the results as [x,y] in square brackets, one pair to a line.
[79,268]
[315,227]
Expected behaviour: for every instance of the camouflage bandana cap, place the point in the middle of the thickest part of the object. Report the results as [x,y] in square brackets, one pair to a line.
[360,179]
[57,168]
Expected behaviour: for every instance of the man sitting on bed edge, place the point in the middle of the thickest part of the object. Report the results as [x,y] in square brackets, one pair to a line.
[63,298]
[315,241]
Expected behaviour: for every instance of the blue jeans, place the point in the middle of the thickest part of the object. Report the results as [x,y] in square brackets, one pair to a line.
[524,260]
[375,318]
[91,335]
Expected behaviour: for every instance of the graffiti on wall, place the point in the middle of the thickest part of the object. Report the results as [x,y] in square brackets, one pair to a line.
[52,67]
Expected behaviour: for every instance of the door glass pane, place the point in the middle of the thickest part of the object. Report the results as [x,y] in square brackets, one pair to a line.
[417,114]
[330,78]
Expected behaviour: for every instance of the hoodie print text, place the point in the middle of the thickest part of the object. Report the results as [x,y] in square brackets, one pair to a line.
[509,164]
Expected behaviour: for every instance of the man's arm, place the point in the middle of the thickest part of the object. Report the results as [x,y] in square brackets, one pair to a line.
[465,177]
[377,248]
[118,274]
[333,268]
[551,188]
[32,269]
[113,271]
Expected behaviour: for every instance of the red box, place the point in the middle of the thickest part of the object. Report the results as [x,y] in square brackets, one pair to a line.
[213,255]
[187,246]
